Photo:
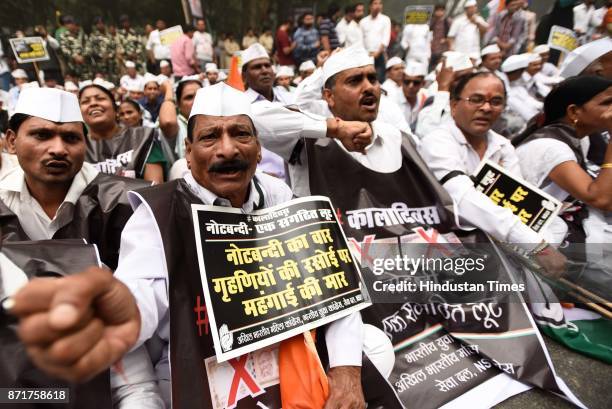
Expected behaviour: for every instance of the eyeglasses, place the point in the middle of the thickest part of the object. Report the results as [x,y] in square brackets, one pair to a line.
[479,100]
[416,83]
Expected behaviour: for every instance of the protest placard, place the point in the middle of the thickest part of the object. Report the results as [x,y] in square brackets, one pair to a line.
[29,49]
[418,14]
[273,274]
[170,35]
[562,39]
[533,206]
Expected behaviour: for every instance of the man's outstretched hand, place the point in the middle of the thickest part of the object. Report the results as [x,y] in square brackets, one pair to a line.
[75,327]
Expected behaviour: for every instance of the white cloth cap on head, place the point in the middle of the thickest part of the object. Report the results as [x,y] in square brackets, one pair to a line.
[19,73]
[211,67]
[351,57]
[470,3]
[103,83]
[254,52]
[148,77]
[490,49]
[307,66]
[533,57]
[32,84]
[86,83]
[394,61]
[583,56]
[136,86]
[70,86]
[222,76]
[515,62]
[415,69]
[161,78]
[285,71]
[164,63]
[51,104]
[130,64]
[541,49]
[221,100]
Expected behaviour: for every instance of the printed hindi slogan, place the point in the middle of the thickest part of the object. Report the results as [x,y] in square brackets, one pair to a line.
[562,39]
[418,14]
[533,206]
[274,273]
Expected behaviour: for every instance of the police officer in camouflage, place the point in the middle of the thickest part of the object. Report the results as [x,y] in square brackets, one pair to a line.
[131,45]
[72,44]
[101,50]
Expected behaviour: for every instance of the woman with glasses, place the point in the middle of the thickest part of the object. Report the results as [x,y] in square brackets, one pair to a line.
[552,156]
[454,151]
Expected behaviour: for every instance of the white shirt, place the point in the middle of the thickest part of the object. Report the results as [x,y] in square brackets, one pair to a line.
[137,386]
[37,225]
[376,32]
[393,89]
[521,103]
[435,115]
[203,44]
[271,162]
[417,39]
[466,34]
[349,33]
[160,52]
[128,82]
[446,150]
[411,112]
[142,267]
[539,157]
[550,70]
[9,162]
[584,18]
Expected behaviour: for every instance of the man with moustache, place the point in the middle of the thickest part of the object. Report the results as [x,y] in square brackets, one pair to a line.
[158,264]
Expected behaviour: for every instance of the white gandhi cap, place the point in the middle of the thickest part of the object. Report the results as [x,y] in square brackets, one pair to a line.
[541,49]
[490,49]
[307,66]
[130,64]
[470,3]
[285,71]
[221,100]
[415,69]
[211,67]
[579,59]
[254,52]
[51,104]
[516,62]
[393,62]
[352,57]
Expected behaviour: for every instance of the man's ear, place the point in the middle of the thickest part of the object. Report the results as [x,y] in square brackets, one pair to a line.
[259,157]
[188,152]
[453,106]
[328,96]
[11,137]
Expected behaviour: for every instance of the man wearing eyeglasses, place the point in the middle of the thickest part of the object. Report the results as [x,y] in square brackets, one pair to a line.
[412,96]
[454,151]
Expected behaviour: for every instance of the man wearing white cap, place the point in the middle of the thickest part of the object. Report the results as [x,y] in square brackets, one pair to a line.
[284,77]
[54,194]
[412,95]
[158,252]
[212,74]
[467,30]
[548,69]
[152,98]
[20,77]
[492,58]
[436,110]
[259,78]
[131,79]
[416,41]
[306,69]
[521,106]
[594,58]
[394,73]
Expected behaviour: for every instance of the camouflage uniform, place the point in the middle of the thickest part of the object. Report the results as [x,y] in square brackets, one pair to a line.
[72,45]
[131,48]
[101,49]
